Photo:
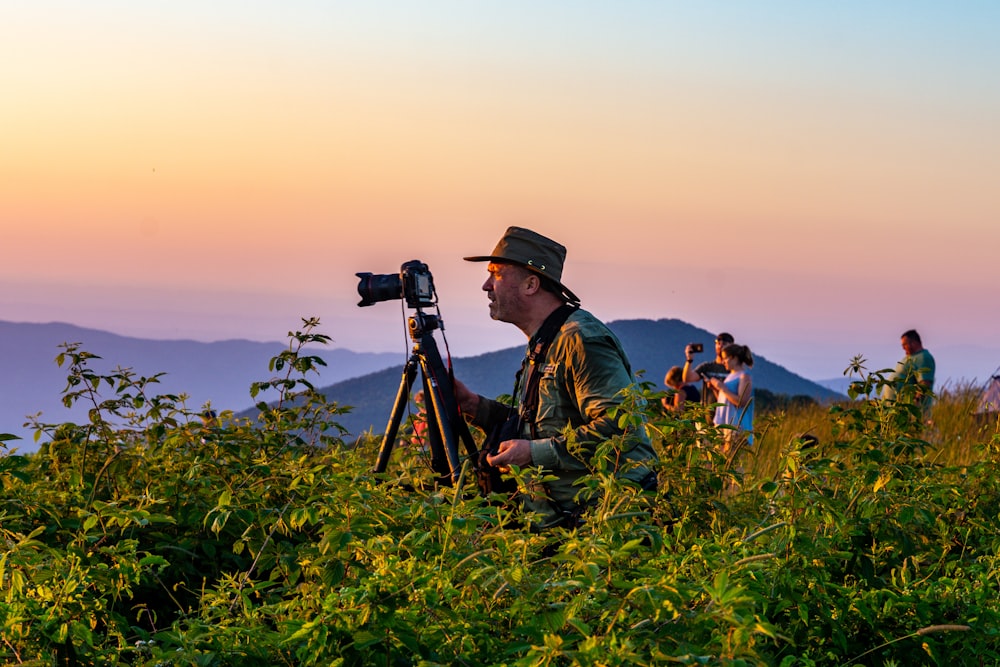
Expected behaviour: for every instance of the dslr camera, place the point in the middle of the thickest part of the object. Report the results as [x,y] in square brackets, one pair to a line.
[414,283]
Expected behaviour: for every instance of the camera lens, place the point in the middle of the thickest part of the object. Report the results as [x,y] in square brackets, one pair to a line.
[373,288]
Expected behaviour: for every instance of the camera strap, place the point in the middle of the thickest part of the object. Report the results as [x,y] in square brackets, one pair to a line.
[538,347]
[489,478]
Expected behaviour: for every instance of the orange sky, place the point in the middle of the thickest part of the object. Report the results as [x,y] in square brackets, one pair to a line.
[815,180]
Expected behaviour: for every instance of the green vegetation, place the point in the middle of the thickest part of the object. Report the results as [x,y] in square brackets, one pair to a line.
[145,537]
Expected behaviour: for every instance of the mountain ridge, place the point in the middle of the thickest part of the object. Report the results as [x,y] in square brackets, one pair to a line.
[652,346]
[220,372]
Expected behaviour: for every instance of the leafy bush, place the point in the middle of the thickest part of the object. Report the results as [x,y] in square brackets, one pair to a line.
[148,537]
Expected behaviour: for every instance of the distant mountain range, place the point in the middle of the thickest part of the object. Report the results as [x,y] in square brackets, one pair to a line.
[220,373]
[839,385]
[653,347]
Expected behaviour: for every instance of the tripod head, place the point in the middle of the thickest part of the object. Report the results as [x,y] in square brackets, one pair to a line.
[421,323]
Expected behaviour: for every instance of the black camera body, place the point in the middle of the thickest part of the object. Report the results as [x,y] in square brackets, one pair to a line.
[696,347]
[414,283]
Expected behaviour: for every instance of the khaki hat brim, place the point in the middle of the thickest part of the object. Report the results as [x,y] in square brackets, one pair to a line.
[572,298]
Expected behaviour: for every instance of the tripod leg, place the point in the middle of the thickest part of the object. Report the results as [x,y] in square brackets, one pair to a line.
[444,426]
[392,428]
[453,414]
[450,422]
[435,440]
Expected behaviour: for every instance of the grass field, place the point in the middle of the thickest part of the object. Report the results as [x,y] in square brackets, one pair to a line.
[953,433]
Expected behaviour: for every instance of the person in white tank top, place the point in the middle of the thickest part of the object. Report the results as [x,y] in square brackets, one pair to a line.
[736,396]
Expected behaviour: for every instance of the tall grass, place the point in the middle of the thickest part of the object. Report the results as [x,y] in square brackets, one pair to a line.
[955,434]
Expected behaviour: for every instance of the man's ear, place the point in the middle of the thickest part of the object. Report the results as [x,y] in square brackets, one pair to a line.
[532,283]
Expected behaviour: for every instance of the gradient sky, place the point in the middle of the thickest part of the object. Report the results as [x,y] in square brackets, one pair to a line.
[815,178]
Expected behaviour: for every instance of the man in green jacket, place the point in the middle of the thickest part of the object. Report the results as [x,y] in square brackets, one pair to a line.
[915,369]
[581,378]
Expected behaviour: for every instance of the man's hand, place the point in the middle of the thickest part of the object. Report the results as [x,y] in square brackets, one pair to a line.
[511,453]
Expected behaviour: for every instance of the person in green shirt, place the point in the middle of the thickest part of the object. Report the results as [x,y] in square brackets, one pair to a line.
[916,369]
[582,375]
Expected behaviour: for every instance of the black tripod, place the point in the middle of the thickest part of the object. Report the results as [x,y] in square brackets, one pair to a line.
[445,425]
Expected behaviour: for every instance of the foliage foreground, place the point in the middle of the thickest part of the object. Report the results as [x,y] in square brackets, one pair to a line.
[147,537]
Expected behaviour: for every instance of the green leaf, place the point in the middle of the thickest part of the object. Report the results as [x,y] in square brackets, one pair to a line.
[157,561]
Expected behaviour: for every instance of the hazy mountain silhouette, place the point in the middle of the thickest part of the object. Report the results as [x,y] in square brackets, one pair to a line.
[652,346]
[219,372]
[841,384]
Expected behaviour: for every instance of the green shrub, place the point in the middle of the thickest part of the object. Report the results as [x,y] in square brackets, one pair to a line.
[147,537]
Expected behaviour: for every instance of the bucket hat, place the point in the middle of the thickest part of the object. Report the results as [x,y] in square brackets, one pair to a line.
[534,252]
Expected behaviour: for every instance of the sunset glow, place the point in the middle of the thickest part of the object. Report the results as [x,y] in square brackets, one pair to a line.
[219,170]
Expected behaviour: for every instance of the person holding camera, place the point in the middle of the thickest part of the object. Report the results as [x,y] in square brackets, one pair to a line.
[735,394]
[707,369]
[569,385]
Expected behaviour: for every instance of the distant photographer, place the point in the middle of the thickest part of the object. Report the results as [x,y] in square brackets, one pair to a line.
[707,370]
[736,397]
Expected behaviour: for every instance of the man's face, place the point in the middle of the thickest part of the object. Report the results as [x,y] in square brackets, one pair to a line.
[909,346]
[503,287]
[718,349]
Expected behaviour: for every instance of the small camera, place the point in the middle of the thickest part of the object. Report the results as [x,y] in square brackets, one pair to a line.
[696,347]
